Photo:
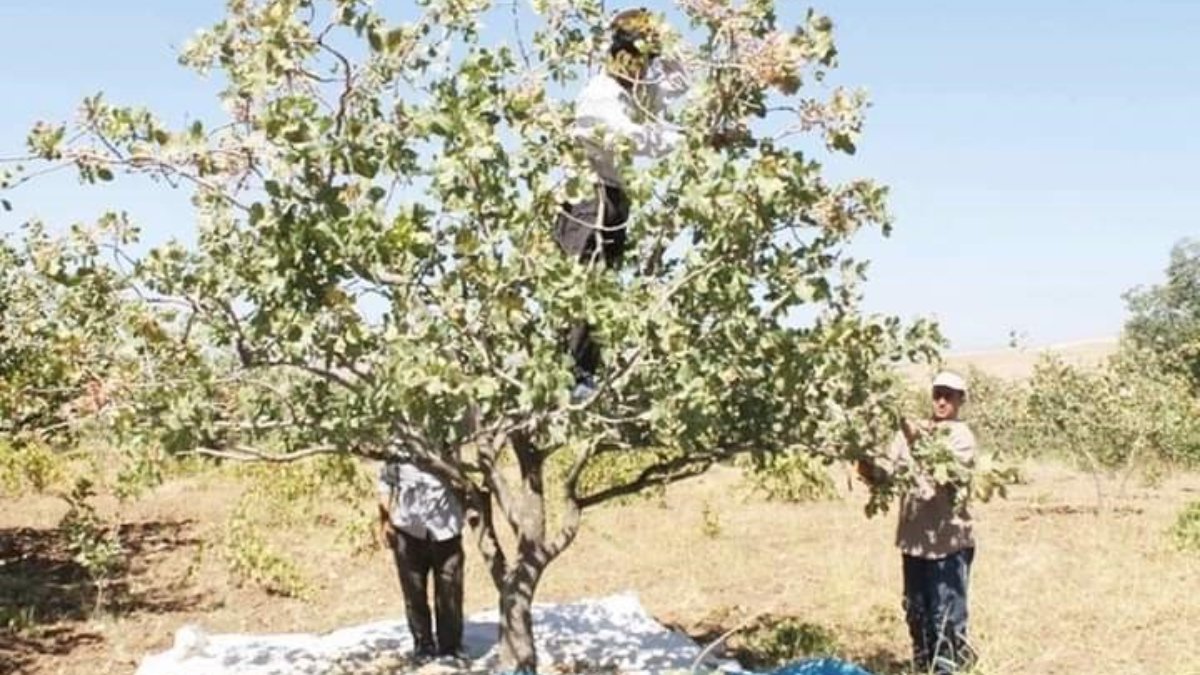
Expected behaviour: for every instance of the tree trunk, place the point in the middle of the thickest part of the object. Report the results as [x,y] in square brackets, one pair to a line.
[517,651]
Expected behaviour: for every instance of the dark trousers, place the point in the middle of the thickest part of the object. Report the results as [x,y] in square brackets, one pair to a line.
[592,230]
[416,559]
[935,603]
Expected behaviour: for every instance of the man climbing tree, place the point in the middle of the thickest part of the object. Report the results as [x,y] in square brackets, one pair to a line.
[593,230]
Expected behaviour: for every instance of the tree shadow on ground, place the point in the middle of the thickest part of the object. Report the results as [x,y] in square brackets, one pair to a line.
[19,651]
[46,595]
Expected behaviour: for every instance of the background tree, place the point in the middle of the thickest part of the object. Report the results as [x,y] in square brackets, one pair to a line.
[63,321]
[373,271]
[1166,318]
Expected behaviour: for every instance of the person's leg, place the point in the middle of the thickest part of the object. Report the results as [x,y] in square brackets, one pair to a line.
[592,230]
[585,352]
[953,649]
[578,231]
[917,610]
[579,227]
[616,214]
[412,565]
[448,595]
[612,242]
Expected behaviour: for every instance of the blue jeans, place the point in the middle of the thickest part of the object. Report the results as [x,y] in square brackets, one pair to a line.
[935,604]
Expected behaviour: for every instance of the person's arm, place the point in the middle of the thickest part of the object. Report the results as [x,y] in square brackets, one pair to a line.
[386,486]
[881,469]
[669,81]
[962,444]
[914,432]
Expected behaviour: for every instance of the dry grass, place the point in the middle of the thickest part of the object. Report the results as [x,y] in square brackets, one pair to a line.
[1057,588]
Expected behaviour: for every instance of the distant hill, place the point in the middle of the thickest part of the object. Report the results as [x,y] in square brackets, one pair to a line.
[1018,363]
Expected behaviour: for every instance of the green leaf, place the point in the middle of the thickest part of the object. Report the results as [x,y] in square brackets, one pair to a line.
[395,38]
[843,143]
[365,166]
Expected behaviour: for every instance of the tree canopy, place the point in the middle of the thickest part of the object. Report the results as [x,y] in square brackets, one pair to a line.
[1165,318]
[374,274]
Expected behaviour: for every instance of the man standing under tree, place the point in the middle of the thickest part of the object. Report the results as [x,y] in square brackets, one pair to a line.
[623,102]
[935,532]
[421,519]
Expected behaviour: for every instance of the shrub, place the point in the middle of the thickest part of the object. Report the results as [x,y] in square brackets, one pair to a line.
[772,641]
[1186,531]
[1128,411]
[1000,415]
[93,544]
[29,467]
[252,560]
[293,493]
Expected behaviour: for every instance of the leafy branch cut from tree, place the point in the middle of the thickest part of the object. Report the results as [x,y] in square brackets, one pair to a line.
[373,270]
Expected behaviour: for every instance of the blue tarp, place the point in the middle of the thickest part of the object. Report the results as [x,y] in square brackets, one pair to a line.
[819,667]
[808,667]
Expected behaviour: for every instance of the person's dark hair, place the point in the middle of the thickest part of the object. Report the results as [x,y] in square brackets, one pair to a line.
[625,42]
[625,38]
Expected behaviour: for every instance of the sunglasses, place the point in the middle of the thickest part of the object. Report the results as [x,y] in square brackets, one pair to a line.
[946,393]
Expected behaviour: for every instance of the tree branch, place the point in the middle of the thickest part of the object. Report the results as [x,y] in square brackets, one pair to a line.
[665,473]
[485,536]
[147,163]
[347,90]
[500,488]
[573,511]
[243,453]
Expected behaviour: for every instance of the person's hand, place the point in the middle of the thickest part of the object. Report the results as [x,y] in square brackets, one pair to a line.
[385,533]
[866,471]
[915,430]
[670,64]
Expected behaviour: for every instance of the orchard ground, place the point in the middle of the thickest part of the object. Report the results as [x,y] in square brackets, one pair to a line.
[1060,586]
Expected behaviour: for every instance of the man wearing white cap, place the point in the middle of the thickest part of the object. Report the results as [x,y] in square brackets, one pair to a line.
[934,534]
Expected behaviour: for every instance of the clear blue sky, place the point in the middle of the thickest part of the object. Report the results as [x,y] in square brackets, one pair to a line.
[1042,155]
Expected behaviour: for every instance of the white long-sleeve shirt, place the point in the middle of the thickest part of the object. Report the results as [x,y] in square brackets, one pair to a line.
[606,112]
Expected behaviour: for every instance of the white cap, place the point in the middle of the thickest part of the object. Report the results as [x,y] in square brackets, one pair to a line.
[950,380]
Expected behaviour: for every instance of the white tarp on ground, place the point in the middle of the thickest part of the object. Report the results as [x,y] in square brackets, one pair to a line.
[613,633]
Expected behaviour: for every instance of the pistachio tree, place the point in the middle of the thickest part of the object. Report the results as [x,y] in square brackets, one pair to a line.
[63,320]
[1165,318]
[374,273]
